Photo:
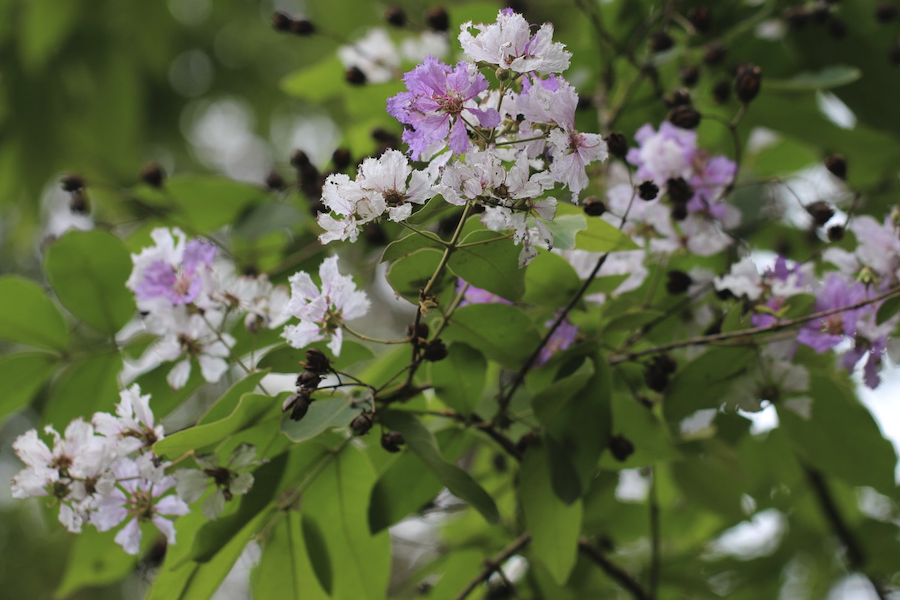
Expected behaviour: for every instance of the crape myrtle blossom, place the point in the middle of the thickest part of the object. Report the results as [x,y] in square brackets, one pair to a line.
[171,273]
[439,100]
[561,338]
[193,483]
[140,495]
[190,337]
[773,378]
[133,427]
[374,54]
[321,312]
[876,258]
[261,303]
[384,185]
[509,44]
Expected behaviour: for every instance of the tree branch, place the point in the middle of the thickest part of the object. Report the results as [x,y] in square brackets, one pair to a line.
[493,564]
[615,572]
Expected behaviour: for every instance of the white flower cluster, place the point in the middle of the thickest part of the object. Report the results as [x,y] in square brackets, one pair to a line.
[104,472]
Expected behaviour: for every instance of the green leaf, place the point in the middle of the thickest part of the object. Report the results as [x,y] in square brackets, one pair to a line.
[323,414]
[29,317]
[315,84]
[408,484]
[565,228]
[268,217]
[337,503]
[285,359]
[554,526]
[711,483]
[420,441]
[406,246]
[411,273]
[501,332]
[830,77]
[633,320]
[43,27]
[605,285]
[491,266]
[705,380]
[550,280]
[284,569]
[598,236]
[94,560]
[85,387]
[222,407]
[21,377]
[250,410]
[88,270]
[888,309]
[548,403]
[459,379]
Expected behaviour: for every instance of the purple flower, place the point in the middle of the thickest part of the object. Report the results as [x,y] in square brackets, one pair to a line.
[562,338]
[826,333]
[171,270]
[664,154]
[474,295]
[435,102]
[711,177]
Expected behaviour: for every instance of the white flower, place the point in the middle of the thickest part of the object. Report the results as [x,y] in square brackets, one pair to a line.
[134,428]
[508,43]
[141,498]
[193,336]
[572,151]
[374,54]
[322,312]
[743,280]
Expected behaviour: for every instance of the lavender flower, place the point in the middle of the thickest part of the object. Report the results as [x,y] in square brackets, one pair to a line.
[562,338]
[171,272]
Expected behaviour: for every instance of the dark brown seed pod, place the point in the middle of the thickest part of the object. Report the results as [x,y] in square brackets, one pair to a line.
[660,41]
[153,175]
[281,21]
[437,19]
[820,211]
[678,282]
[308,380]
[274,181]
[392,440]
[341,158]
[300,160]
[747,82]
[71,183]
[355,76]
[700,18]
[837,164]
[714,53]
[620,447]
[395,16]
[679,190]
[617,145]
[689,75]
[362,423]
[435,350]
[679,97]
[78,202]
[421,331]
[835,233]
[316,361]
[679,212]
[722,91]
[648,190]
[302,27]
[594,207]
[684,116]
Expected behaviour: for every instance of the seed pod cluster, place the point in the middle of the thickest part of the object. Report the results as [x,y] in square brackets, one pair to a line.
[315,367]
[658,371]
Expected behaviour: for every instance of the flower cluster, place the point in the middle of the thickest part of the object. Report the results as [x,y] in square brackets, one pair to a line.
[501,148]
[104,472]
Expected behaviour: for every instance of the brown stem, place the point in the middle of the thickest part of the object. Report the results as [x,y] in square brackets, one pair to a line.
[493,564]
[615,572]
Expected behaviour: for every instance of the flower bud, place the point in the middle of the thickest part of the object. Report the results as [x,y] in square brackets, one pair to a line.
[837,164]
[660,41]
[281,21]
[620,447]
[392,440]
[302,27]
[362,423]
[820,211]
[885,12]
[722,91]
[355,76]
[71,183]
[714,53]
[594,207]
[617,145]
[678,282]
[274,181]
[835,233]
[437,19]
[435,350]
[700,18]
[78,202]
[648,190]
[689,75]
[395,16]
[747,82]
[684,116]
[679,190]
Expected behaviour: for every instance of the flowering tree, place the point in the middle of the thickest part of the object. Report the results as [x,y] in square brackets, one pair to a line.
[538,306]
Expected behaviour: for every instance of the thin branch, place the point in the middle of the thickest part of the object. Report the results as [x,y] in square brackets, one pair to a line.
[493,564]
[653,578]
[615,572]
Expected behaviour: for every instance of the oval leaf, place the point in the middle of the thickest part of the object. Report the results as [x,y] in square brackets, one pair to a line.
[29,317]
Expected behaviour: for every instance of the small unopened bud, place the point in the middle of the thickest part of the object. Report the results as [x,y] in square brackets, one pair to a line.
[71,183]
[281,21]
[302,27]
[700,18]
[660,41]
[594,207]
[435,350]
[355,76]
[885,12]
[395,16]
[689,75]
[747,82]
[679,97]
[722,91]
[502,74]
[437,18]
[796,17]
[617,145]
[678,282]
[362,423]
[679,190]
[392,440]
[78,202]
[341,158]
[837,164]
[274,181]
[620,447]
[820,211]
[684,116]
[648,190]
[714,53]
[835,233]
